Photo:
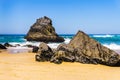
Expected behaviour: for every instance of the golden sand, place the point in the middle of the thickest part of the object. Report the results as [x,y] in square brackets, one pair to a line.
[22,66]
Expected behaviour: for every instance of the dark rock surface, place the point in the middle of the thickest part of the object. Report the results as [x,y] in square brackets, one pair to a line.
[2,46]
[28,45]
[35,49]
[44,53]
[63,53]
[69,54]
[8,45]
[42,30]
[81,49]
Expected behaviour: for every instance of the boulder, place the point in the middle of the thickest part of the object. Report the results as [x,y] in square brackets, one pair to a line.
[63,53]
[8,45]
[42,30]
[44,53]
[2,46]
[35,49]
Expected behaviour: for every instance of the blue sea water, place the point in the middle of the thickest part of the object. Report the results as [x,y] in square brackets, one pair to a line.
[109,40]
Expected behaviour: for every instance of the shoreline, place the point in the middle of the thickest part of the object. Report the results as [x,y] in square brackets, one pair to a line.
[24,67]
[19,49]
[28,49]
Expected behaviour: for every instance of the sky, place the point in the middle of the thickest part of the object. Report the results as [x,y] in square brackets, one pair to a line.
[68,16]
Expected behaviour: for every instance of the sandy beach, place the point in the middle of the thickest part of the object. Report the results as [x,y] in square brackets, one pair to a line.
[22,66]
[77,39]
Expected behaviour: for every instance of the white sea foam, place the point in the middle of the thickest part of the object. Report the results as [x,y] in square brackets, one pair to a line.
[104,36]
[14,43]
[26,43]
[18,49]
[55,45]
[113,46]
[52,45]
[67,40]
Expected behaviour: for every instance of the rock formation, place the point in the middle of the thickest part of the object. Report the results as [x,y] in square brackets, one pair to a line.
[42,30]
[84,49]
[44,53]
[63,53]
[2,47]
[93,49]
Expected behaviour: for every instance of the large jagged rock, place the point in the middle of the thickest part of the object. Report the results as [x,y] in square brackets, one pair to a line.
[44,53]
[42,30]
[93,49]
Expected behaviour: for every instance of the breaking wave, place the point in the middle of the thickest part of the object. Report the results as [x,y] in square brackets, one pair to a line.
[113,46]
[103,36]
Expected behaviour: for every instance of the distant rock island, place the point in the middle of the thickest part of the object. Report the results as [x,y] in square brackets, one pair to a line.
[42,30]
[81,49]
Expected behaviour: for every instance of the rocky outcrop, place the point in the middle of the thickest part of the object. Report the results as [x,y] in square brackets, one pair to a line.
[82,49]
[42,30]
[2,47]
[93,49]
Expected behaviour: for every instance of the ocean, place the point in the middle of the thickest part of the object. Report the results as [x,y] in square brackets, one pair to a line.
[111,41]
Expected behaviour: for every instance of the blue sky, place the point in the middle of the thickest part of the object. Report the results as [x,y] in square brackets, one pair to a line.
[69,16]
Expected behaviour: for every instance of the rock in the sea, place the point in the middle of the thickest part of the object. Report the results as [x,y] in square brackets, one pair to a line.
[8,45]
[44,53]
[42,30]
[2,46]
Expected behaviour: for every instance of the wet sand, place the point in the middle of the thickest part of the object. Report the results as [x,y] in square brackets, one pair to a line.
[22,66]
